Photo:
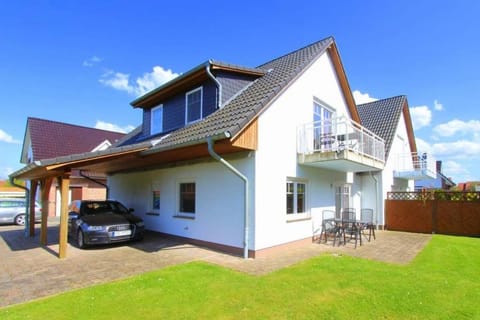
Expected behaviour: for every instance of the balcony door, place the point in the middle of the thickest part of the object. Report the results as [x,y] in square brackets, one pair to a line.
[343,198]
[323,137]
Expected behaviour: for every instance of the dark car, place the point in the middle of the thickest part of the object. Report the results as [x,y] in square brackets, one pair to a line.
[93,222]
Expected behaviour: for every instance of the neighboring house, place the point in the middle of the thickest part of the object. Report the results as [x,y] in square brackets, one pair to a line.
[440,183]
[246,159]
[45,139]
[9,191]
[468,186]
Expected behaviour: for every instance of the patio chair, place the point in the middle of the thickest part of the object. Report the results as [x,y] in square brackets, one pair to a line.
[329,226]
[350,226]
[366,218]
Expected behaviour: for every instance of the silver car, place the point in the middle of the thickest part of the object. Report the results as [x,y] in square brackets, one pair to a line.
[12,210]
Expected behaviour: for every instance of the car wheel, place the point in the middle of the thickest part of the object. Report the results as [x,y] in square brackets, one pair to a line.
[20,220]
[81,240]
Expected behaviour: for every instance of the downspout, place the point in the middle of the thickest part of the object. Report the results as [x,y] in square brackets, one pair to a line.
[27,202]
[214,155]
[96,181]
[376,197]
[219,85]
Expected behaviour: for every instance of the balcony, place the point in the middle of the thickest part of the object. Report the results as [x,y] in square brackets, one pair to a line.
[340,144]
[415,166]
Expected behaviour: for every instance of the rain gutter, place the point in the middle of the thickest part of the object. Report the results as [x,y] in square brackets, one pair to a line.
[376,197]
[27,204]
[211,151]
[219,85]
[96,181]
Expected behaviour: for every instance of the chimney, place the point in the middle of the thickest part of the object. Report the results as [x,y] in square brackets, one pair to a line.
[439,166]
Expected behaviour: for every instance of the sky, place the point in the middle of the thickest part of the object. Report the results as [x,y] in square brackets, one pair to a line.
[83,62]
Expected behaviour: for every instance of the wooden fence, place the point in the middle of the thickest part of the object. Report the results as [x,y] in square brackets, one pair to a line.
[454,213]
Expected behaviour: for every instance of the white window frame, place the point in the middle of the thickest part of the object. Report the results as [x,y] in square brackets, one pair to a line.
[343,197]
[178,192]
[320,118]
[298,215]
[153,123]
[201,105]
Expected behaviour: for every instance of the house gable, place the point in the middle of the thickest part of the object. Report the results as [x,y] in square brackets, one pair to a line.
[45,139]
[218,83]
[236,121]
[383,118]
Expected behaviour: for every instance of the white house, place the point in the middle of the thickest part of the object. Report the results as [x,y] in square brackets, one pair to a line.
[246,159]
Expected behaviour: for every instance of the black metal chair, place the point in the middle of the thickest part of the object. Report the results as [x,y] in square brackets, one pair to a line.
[366,218]
[350,226]
[329,226]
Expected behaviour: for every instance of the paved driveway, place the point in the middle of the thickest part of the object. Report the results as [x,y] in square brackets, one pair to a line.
[29,271]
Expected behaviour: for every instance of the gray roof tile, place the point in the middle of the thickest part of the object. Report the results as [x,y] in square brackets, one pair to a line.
[238,112]
[381,117]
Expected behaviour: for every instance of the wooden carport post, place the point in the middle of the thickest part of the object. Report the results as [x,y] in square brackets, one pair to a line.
[31,201]
[45,185]
[64,182]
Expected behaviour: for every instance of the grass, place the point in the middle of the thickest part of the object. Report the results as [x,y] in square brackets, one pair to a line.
[443,282]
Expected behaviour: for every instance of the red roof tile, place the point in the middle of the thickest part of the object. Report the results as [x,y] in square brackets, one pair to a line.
[50,139]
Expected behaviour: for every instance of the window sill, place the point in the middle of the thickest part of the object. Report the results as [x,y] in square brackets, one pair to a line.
[181,216]
[298,219]
[152,214]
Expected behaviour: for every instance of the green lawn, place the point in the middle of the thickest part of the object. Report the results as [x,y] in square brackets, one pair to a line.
[443,282]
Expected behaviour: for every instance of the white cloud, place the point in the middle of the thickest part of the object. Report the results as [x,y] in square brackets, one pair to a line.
[437,105]
[423,146]
[461,149]
[361,98]
[451,167]
[5,137]
[118,81]
[421,116]
[149,81]
[113,127]
[456,126]
[90,62]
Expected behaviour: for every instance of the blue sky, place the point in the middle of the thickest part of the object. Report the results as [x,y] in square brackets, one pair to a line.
[83,62]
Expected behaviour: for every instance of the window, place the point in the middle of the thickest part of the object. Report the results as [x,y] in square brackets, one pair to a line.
[322,117]
[187,198]
[343,198]
[156,120]
[193,106]
[296,197]
[156,200]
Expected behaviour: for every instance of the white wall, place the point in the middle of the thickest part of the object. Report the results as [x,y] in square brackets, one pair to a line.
[276,158]
[219,200]
[370,185]
[389,183]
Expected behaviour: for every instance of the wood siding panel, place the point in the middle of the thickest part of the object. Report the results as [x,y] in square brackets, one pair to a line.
[248,138]
[458,217]
[174,108]
[174,113]
[232,83]
[408,215]
[434,216]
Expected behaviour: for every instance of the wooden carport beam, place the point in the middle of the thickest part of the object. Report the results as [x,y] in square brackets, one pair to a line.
[31,201]
[45,185]
[64,182]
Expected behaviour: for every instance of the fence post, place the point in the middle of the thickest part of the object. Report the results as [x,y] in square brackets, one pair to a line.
[434,214]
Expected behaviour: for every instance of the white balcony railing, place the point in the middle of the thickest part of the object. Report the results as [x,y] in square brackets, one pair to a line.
[338,135]
[415,166]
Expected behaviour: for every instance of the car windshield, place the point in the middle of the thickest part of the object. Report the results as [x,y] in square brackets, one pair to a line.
[98,207]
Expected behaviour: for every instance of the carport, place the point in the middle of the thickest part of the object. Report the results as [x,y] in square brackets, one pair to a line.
[140,156]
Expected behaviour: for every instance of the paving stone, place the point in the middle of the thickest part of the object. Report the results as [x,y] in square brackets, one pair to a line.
[30,271]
